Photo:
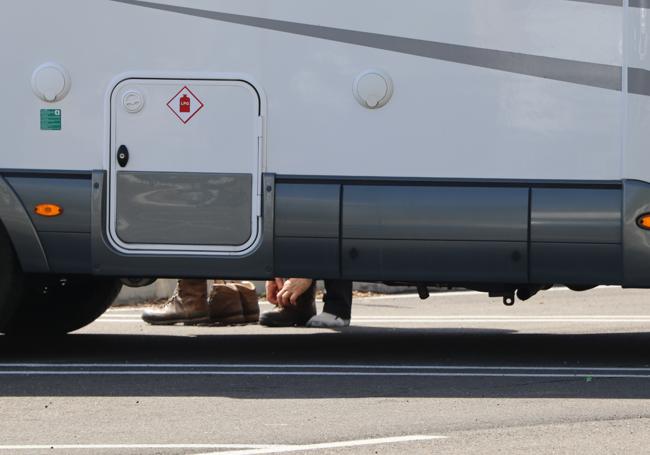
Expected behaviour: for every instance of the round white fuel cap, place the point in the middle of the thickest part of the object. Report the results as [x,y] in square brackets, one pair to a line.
[373,88]
[51,82]
[133,101]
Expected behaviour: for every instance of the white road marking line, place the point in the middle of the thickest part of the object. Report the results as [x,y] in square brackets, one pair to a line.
[318,374]
[465,316]
[135,446]
[319,366]
[493,320]
[467,293]
[128,310]
[416,296]
[481,316]
[450,320]
[331,445]
[102,319]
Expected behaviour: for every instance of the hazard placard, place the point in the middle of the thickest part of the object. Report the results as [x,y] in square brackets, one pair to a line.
[185,104]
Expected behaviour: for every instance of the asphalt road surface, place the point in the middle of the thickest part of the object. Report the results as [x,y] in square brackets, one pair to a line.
[459,373]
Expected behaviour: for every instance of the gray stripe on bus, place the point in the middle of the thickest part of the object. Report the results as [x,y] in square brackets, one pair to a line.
[638,81]
[601,2]
[572,71]
[640,3]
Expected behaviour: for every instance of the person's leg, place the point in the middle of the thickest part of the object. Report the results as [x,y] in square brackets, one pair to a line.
[188,304]
[338,298]
[249,301]
[337,310]
[292,315]
[225,304]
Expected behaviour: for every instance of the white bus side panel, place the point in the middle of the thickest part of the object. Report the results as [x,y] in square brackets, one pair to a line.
[445,120]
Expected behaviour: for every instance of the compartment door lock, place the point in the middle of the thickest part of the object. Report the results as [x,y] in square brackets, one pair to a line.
[122,156]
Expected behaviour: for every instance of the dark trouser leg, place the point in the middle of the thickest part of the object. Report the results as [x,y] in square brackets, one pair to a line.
[338,298]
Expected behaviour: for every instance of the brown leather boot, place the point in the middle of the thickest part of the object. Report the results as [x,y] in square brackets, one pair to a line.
[188,304]
[293,315]
[249,301]
[225,304]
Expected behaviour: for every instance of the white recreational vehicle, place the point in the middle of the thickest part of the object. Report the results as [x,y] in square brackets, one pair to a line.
[501,145]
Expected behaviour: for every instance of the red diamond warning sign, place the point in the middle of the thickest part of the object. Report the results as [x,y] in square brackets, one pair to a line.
[185,104]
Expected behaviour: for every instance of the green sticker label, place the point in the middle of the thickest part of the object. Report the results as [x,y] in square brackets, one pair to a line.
[51,119]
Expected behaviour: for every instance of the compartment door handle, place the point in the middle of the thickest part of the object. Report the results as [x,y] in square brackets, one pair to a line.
[122,156]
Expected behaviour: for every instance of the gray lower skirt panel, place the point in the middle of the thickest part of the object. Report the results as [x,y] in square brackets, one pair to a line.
[636,242]
[307,210]
[390,231]
[307,257]
[434,261]
[576,215]
[73,194]
[435,213]
[67,252]
[575,263]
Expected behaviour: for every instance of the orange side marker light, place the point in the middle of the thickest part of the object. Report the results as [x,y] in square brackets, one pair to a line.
[643,221]
[48,210]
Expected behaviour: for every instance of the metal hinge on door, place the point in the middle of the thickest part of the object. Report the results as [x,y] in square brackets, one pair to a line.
[260,152]
[260,164]
[260,127]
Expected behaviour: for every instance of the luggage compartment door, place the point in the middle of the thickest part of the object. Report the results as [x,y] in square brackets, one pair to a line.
[435,234]
[184,166]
